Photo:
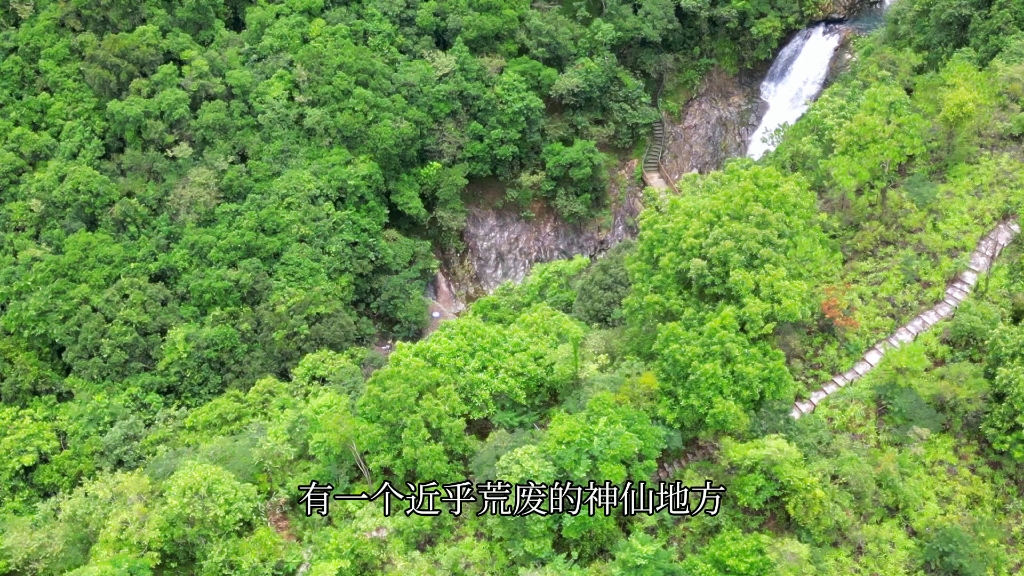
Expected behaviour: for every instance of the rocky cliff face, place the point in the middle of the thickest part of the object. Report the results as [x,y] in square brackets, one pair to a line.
[844,57]
[845,9]
[716,124]
[502,245]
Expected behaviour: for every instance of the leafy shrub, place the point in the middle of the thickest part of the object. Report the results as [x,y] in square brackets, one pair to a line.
[603,287]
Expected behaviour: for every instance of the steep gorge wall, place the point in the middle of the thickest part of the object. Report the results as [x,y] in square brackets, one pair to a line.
[715,125]
[502,245]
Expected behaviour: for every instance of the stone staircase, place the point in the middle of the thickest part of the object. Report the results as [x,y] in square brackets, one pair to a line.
[652,172]
[981,261]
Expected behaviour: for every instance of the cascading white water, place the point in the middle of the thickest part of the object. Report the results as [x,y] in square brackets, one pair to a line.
[794,79]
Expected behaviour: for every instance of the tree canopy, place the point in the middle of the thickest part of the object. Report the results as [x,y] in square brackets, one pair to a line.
[216,218]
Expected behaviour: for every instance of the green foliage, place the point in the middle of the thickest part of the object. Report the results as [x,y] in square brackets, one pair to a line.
[714,374]
[642,555]
[552,283]
[907,209]
[714,272]
[747,237]
[938,28]
[732,553]
[772,476]
[953,551]
[203,504]
[113,521]
[417,407]
[971,328]
[28,441]
[208,211]
[603,288]
[430,441]
[576,177]
[606,440]
[1004,424]
[334,370]
[263,553]
[882,136]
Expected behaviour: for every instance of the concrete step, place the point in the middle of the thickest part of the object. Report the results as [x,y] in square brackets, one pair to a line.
[981,261]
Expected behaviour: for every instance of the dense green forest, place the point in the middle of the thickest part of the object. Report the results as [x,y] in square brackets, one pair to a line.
[209,212]
[198,194]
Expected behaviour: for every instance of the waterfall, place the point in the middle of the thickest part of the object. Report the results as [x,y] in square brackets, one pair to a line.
[794,79]
[798,73]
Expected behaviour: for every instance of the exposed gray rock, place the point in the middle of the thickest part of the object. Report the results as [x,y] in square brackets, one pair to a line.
[961,286]
[956,294]
[1004,235]
[502,245]
[444,303]
[844,57]
[716,124]
[844,9]
[980,261]
[931,317]
[917,326]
